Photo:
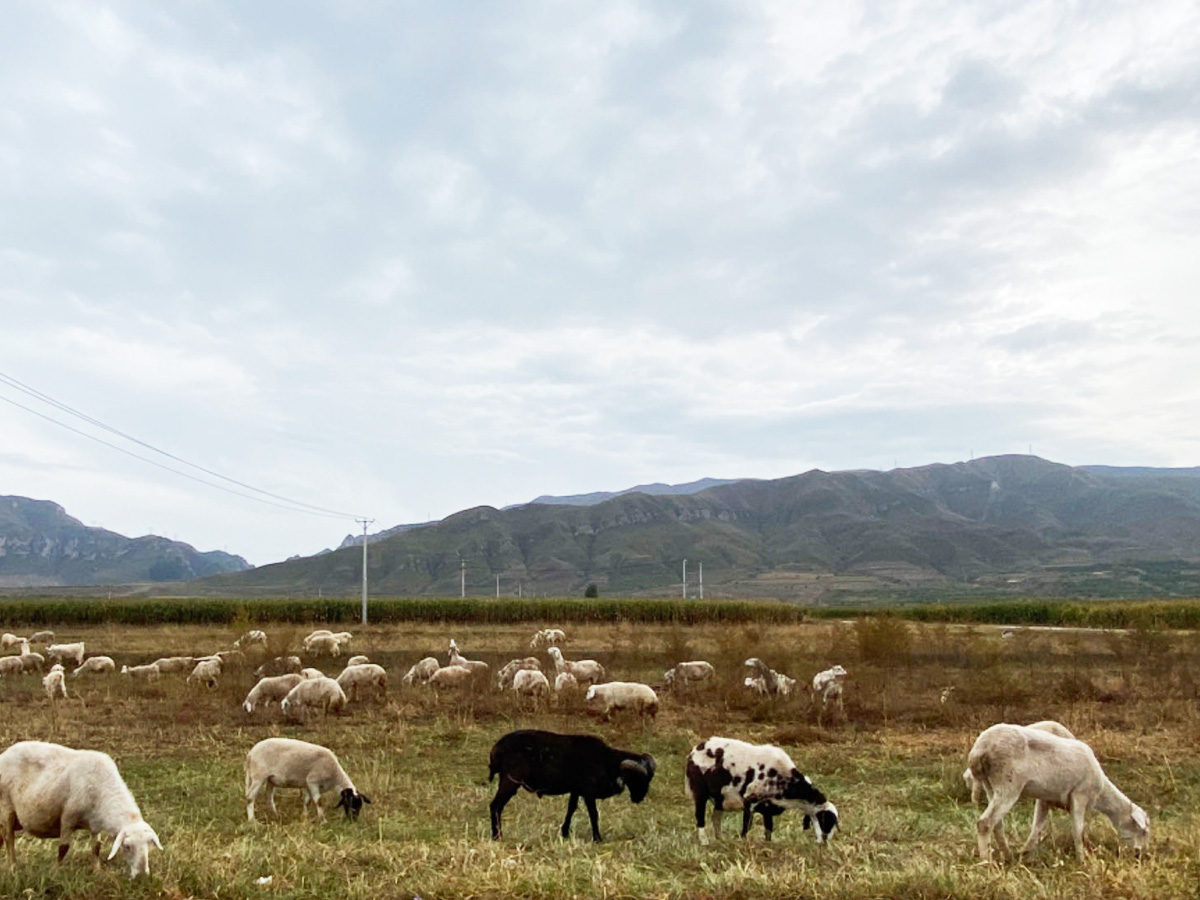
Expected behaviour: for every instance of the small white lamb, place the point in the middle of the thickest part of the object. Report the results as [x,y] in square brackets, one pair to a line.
[51,791]
[1014,761]
[285,762]
[55,683]
[206,671]
[271,689]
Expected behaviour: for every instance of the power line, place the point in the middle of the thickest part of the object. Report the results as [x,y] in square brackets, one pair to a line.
[292,505]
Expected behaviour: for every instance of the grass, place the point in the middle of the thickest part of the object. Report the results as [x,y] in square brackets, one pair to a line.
[893,765]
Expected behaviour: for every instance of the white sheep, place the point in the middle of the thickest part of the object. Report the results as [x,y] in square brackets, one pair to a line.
[757,684]
[55,683]
[11,665]
[686,674]
[168,664]
[449,677]
[9,640]
[95,665]
[828,685]
[206,671]
[51,791]
[312,694]
[32,661]
[776,683]
[62,652]
[565,681]
[421,671]
[586,671]
[359,660]
[630,695]
[279,665]
[366,677]
[547,637]
[1014,761]
[288,763]
[475,666]
[309,672]
[148,672]
[531,683]
[271,689]
[505,677]
[45,638]
[322,645]
[253,636]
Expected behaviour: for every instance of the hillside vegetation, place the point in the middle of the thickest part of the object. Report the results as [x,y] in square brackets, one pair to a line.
[1011,524]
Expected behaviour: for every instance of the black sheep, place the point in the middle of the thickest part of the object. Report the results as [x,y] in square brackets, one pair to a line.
[577,764]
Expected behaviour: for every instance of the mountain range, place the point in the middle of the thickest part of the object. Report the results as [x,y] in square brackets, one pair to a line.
[42,546]
[996,524]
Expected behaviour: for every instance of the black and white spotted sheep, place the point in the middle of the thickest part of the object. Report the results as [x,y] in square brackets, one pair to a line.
[736,775]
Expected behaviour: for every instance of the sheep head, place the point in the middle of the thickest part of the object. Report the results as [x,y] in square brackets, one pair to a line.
[352,802]
[636,775]
[135,841]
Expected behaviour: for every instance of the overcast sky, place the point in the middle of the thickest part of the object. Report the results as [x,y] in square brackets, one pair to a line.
[401,259]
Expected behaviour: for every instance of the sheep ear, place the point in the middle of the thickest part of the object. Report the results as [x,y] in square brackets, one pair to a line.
[807,821]
[117,842]
[157,842]
[364,798]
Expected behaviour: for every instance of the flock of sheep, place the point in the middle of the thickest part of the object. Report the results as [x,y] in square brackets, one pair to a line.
[50,791]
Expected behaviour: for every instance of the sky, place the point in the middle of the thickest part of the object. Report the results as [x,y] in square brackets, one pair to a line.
[396,260]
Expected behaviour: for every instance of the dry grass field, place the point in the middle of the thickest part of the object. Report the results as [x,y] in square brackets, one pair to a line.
[892,764]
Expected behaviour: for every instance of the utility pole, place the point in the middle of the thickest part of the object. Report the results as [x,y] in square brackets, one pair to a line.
[701,564]
[685,578]
[463,578]
[364,523]
[497,586]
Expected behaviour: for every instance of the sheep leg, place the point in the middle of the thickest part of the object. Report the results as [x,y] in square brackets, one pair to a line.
[1040,813]
[718,813]
[747,818]
[992,822]
[768,825]
[10,835]
[572,805]
[594,815]
[504,793]
[701,807]
[252,790]
[314,792]
[1078,820]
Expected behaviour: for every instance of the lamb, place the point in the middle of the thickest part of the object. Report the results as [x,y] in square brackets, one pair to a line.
[828,685]
[586,671]
[148,672]
[168,664]
[50,791]
[580,765]
[421,671]
[686,674]
[280,665]
[531,683]
[55,683]
[310,694]
[510,669]
[756,683]
[95,665]
[451,677]
[45,638]
[630,695]
[1014,761]
[254,636]
[475,666]
[62,652]
[285,762]
[547,637]
[206,671]
[776,683]
[363,677]
[271,689]
[734,774]
[1047,725]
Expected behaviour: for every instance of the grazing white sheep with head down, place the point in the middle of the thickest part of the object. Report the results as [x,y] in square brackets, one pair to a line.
[55,683]
[45,638]
[62,652]
[617,695]
[531,683]
[686,674]
[271,689]
[206,671]
[586,671]
[547,637]
[565,681]
[421,671]
[322,645]
[1014,761]
[11,665]
[147,672]
[95,665]
[169,664]
[9,640]
[253,636]
[504,677]
[285,762]
[366,678]
[776,683]
[359,660]
[279,665]
[453,677]
[50,791]
[32,662]
[313,694]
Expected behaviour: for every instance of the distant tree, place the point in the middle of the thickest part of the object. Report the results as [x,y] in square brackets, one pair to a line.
[591,591]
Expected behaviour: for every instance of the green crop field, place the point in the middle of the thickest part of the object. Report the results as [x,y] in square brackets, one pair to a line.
[892,763]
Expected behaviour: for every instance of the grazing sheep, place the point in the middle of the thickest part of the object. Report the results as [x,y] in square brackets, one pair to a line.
[752,777]
[565,681]
[284,762]
[580,765]
[547,637]
[777,684]
[630,695]
[309,672]
[322,645]
[231,659]
[531,683]
[686,674]
[32,661]
[451,677]
[312,694]
[945,694]
[421,671]
[505,677]
[11,665]
[280,665]
[828,686]
[1014,761]
[475,666]
[50,791]
[55,683]
[586,671]
[206,671]
[95,665]
[45,638]
[367,677]
[148,672]
[169,664]
[62,652]
[8,640]
[1047,725]
[271,689]
[756,684]
[254,636]
[359,660]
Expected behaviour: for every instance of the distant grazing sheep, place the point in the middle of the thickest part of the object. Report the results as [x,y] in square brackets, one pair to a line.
[55,683]
[313,694]
[475,666]
[254,636]
[366,678]
[63,652]
[207,671]
[42,637]
[95,665]
[170,664]
[686,674]
[776,683]
[630,695]
[271,689]
[504,678]
[547,637]
[421,671]
[148,672]
[586,671]
[280,665]
[454,677]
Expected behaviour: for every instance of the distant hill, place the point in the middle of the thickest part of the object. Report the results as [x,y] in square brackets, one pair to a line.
[1007,523]
[41,546]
